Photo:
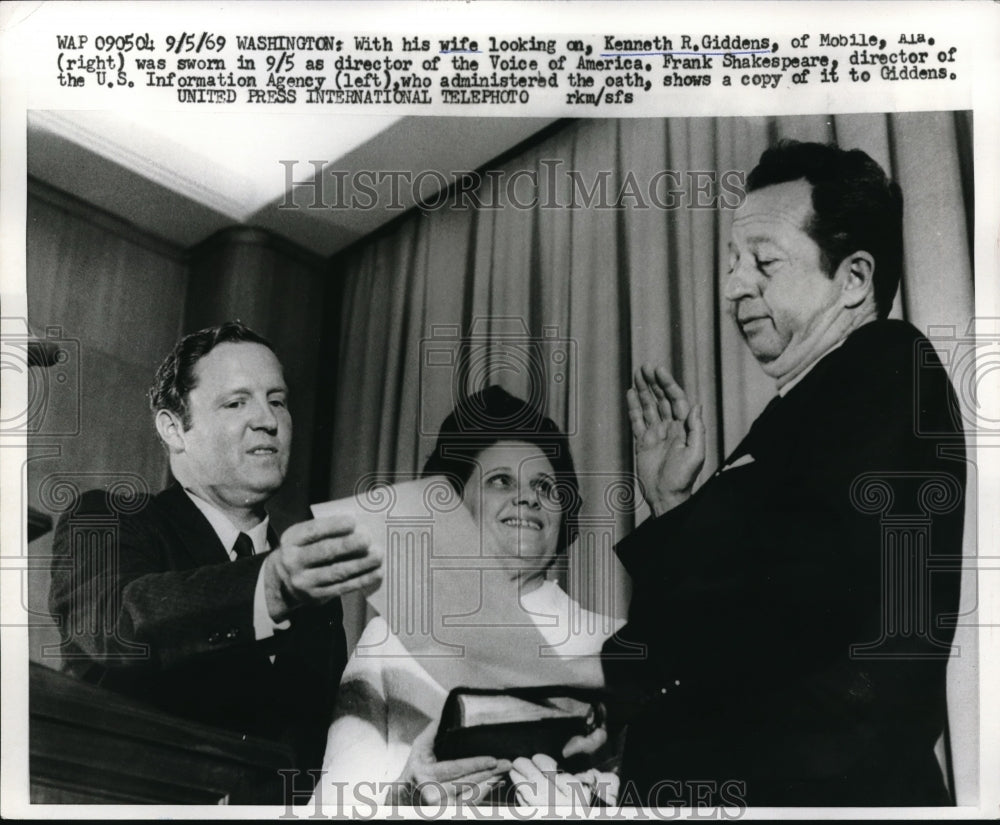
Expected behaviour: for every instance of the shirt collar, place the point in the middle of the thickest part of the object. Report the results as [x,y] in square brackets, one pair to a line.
[226,530]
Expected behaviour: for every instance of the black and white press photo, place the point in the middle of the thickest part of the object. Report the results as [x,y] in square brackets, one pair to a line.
[405,436]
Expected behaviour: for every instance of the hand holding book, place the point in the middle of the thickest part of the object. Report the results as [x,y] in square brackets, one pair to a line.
[540,785]
[428,781]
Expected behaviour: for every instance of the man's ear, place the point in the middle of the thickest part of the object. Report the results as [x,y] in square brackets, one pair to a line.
[171,430]
[858,269]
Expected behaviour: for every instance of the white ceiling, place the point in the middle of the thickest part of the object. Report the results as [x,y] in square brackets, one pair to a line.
[185,175]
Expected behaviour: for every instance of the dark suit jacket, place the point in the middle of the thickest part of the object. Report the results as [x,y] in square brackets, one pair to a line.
[150,605]
[749,596]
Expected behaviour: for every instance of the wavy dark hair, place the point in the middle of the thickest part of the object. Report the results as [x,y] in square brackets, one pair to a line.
[175,377]
[855,207]
[490,416]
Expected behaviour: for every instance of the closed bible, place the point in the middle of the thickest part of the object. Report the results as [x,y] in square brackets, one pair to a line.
[506,724]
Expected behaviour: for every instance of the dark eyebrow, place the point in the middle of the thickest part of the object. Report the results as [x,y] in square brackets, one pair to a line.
[233,391]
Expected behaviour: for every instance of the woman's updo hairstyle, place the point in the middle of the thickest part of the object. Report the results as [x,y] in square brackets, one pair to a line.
[492,415]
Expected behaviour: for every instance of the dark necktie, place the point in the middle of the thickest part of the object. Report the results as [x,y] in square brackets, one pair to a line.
[243,547]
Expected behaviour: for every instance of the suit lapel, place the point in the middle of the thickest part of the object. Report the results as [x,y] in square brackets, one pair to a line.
[777,422]
[745,447]
[192,529]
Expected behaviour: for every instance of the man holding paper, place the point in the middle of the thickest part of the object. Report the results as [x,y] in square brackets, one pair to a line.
[794,647]
[200,609]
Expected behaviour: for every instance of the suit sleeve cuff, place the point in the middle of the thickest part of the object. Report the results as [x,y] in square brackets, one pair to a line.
[263,625]
[645,544]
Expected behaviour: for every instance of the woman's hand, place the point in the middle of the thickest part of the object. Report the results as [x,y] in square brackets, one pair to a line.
[435,783]
[669,438]
[539,784]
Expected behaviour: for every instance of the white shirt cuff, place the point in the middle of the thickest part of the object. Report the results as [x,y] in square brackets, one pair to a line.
[263,625]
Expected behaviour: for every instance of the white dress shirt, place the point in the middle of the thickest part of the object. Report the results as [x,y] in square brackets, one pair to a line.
[263,625]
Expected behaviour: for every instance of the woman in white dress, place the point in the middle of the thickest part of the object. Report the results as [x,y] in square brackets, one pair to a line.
[514,472]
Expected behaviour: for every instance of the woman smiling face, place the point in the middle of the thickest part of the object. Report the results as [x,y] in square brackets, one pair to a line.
[512,496]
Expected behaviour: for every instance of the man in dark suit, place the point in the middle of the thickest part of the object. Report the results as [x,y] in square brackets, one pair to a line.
[792,611]
[197,607]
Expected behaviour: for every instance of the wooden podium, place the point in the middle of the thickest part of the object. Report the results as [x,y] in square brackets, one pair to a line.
[89,745]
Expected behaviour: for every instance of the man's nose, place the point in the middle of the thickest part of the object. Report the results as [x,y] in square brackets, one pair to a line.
[738,284]
[264,417]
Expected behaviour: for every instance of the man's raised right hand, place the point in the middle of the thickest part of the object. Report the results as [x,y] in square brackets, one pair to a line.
[669,438]
[318,560]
